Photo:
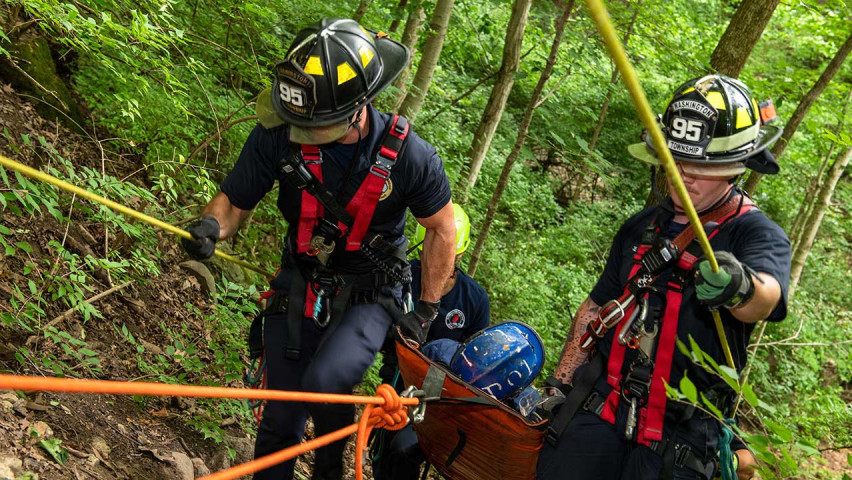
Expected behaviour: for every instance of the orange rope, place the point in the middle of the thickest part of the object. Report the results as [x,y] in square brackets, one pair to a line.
[52,384]
[282,456]
[393,415]
[385,410]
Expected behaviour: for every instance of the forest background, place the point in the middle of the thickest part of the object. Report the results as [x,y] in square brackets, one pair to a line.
[160,97]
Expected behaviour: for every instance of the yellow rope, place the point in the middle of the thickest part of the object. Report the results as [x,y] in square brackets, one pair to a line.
[599,14]
[45,177]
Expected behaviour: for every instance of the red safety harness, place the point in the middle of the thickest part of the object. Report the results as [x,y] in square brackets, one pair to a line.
[652,414]
[363,204]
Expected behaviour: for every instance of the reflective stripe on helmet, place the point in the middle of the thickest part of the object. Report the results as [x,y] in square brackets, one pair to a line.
[735,141]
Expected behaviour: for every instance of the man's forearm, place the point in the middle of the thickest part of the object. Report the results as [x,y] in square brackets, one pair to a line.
[437,262]
[228,216]
[572,357]
[439,248]
[767,294]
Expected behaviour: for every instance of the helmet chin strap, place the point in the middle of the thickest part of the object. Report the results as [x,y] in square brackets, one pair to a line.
[668,204]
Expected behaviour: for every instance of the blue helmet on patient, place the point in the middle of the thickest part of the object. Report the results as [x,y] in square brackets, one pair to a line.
[500,360]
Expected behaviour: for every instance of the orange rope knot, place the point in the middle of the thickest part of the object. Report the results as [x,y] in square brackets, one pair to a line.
[391,415]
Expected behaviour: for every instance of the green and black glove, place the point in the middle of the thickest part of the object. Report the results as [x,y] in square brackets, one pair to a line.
[205,234]
[730,287]
[415,324]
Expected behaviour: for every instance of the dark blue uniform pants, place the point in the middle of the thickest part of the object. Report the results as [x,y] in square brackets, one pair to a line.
[401,458]
[591,448]
[333,364]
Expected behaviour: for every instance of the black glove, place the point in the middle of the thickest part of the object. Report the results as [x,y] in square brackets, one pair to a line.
[205,234]
[730,287]
[415,324]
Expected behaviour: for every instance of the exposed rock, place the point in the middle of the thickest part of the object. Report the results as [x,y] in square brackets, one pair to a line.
[200,468]
[151,347]
[100,446]
[201,273]
[180,462]
[33,56]
[183,465]
[6,473]
[12,464]
[244,446]
[220,460]
[42,429]
[8,402]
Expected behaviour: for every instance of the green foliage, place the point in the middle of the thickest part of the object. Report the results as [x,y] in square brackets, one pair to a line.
[164,77]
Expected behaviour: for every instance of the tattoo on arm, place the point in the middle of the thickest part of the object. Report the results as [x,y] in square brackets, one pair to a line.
[572,357]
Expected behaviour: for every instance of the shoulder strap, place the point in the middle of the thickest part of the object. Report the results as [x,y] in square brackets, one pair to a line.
[302,166]
[363,204]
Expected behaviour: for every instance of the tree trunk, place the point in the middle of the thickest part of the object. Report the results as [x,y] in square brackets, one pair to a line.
[497,101]
[613,79]
[523,128]
[733,50]
[810,196]
[812,226]
[362,9]
[803,107]
[400,9]
[431,52]
[410,35]
[741,36]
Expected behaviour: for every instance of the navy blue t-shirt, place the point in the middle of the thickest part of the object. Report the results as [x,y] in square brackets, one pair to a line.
[753,238]
[418,181]
[464,310]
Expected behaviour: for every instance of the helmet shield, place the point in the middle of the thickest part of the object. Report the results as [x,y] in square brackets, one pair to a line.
[318,135]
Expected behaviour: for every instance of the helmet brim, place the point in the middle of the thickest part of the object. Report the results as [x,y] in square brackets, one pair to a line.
[756,158]
[394,57]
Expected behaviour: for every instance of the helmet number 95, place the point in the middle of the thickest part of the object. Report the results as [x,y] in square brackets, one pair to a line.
[290,94]
[685,129]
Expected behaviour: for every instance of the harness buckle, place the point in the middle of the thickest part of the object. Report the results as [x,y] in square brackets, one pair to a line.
[682,454]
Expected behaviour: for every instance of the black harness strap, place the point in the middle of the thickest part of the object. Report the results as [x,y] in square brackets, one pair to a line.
[583,387]
[295,313]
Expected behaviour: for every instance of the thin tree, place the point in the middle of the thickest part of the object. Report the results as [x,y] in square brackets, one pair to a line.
[811,227]
[499,94]
[803,107]
[612,81]
[810,195]
[731,54]
[742,34]
[523,128]
[429,60]
[362,9]
[399,9]
[410,35]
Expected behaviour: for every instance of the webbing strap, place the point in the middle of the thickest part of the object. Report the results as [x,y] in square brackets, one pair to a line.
[311,209]
[363,204]
[651,416]
[356,217]
[583,387]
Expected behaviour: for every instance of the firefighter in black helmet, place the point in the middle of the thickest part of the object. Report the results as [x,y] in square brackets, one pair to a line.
[347,174]
[621,351]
